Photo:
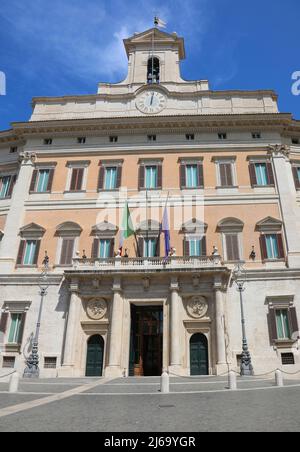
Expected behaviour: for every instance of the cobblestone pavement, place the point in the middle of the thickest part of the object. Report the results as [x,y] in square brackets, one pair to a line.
[136,404]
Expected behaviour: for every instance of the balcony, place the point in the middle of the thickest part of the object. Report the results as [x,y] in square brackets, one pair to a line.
[147,264]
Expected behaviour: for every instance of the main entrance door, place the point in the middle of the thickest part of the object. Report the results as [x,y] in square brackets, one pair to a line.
[94,361]
[146,341]
[199,354]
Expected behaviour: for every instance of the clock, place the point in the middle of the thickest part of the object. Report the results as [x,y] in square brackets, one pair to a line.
[151,102]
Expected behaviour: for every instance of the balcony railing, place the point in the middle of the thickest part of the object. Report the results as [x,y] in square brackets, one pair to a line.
[153,263]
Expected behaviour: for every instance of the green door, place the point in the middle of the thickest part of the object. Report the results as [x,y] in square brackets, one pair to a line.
[94,361]
[199,354]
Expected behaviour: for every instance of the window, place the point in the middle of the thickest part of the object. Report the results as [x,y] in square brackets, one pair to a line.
[7,184]
[41,181]
[150,247]
[48,141]
[13,150]
[256,135]
[226,174]
[272,246]
[232,247]
[195,246]
[153,71]
[296,174]
[190,136]
[282,324]
[110,178]
[81,140]
[287,359]
[50,363]
[113,139]
[110,175]
[295,141]
[261,174]
[191,175]
[9,362]
[222,136]
[67,251]
[151,137]
[77,179]
[150,176]
[14,336]
[28,252]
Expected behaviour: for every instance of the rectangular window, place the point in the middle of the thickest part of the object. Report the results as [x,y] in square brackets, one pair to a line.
[261,174]
[295,141]
[48,141]
[151,177]
[195,247]
[256,136]
[9,362]
[67,251]
[113,139]
[77,179]
[50,363]
[105,249]
[222,136]
[42,181]
[283,324]
[298,173]
[232,247]
[191,176]
[110,178]
[14,336]
[190,136]
[226,174]
[30,252]
[5,182]
[272,246]
[288,359]
[150,246]
[81,140]
[13,150]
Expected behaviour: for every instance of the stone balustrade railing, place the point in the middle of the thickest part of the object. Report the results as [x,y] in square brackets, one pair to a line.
[153,263]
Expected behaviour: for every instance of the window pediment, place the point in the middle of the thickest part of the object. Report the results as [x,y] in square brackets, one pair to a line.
[68,229]
[104,229]
[230,225]
[32,230]
[269,224]
[194,226]
[150,227]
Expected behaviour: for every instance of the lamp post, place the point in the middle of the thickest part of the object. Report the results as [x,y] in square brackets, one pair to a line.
[239,278]
[32,363]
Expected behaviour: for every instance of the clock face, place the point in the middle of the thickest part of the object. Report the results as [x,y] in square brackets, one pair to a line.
[151,102]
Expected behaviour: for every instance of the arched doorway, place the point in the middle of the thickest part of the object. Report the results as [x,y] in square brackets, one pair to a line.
[94,360]
[199,354]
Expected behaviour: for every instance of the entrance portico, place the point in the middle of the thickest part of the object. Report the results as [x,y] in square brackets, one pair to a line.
[149,320]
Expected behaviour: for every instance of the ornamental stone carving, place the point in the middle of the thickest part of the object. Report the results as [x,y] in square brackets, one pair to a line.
[197,307]
[96,309]
[279,150]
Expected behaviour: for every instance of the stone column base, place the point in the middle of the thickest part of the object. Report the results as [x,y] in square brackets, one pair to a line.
[69,372]
[222,369]
[176,370]
[113,372]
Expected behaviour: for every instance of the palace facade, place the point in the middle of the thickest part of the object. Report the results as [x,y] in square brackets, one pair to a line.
[225,164]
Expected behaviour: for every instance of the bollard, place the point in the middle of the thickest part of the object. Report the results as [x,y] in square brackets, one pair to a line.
[14,383]
[279,378]
[232,381]
[165,383]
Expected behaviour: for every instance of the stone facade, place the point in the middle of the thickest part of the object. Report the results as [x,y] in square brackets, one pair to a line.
[60,201]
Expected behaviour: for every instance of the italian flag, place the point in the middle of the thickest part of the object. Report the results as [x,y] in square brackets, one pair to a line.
[127,229]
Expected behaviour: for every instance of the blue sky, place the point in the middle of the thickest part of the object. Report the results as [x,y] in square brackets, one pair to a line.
[66,47]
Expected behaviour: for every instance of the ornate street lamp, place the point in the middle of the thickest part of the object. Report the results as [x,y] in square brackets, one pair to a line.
[239,277]
[32,363]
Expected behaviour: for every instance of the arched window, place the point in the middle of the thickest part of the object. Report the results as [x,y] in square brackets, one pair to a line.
[153,70]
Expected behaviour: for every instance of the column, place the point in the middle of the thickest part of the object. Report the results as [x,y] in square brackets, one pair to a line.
[220,326]
[174,324]
[116,327]
[15,217]
[73,326]
[288,203]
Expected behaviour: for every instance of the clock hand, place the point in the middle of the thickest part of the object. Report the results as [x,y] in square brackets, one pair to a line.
[152,99]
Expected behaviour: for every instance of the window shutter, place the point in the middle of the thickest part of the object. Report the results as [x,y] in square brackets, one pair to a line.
[296,178]
[228,170]
[270,174]
[203,246]
[22,328]
[12,184]
[63,252]
[74,179]
[80,179]
[50,180]
[232,247]
[182,176]
[141,177]
[21,252]
[293,320]
[223,174]
[95,249]
[159,176]
[140,245]
[157,249]
[280,247]
[101,178]
[37,252]
[186,248]
[252,172]
[112,248]
[119,176]
[272,325]
[263,247]
[67,252]
[200,175]
[3,322]
[33,180]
